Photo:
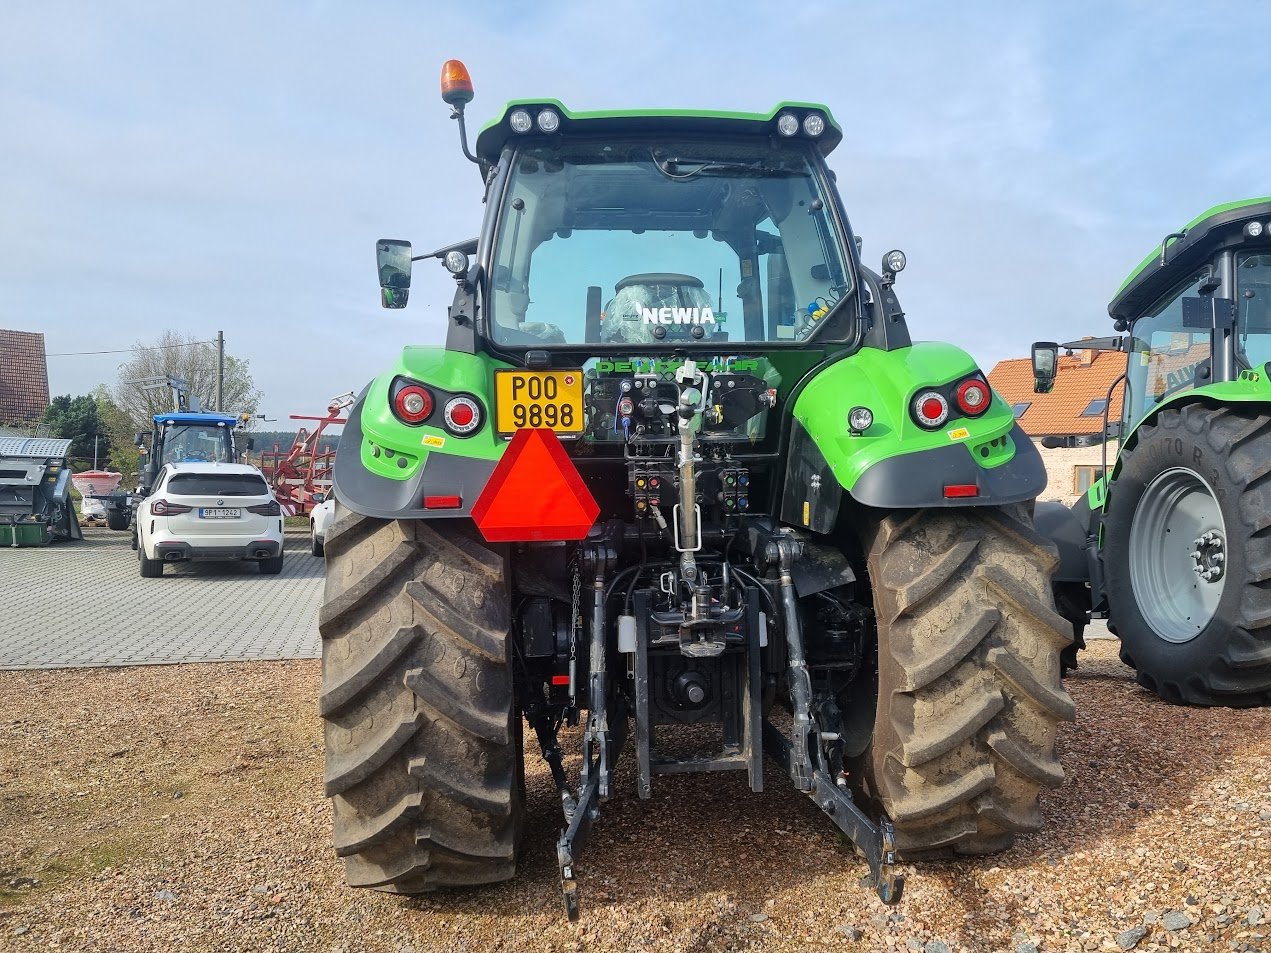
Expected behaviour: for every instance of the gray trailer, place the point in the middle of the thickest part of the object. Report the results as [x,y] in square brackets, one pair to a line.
[35,492]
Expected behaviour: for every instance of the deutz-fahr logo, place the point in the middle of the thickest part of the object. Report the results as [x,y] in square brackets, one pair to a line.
[678,315]
[644,365]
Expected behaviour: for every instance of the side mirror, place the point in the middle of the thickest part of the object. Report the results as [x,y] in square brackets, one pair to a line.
[251,444]
[142,436]
[319,497]
[1045,366]
[392,257]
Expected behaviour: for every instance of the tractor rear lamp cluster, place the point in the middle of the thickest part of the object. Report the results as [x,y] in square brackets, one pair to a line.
[413,404]
[266,509]
[524,120]
[164,508]
[812,124]
[930,409]
[970,397]
[462,416]
[973,396]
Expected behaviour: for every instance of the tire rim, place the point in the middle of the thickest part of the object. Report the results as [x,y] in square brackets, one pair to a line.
[1178,555]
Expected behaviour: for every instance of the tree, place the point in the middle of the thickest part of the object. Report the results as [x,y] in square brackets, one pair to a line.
[122,456]
[79,420]
[185,358]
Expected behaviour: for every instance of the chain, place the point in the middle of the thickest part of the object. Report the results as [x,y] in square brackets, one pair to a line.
[575,623]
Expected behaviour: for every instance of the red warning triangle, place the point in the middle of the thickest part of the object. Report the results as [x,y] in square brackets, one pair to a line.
[535,493]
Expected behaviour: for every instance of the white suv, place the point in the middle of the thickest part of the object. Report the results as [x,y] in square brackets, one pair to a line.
[209,511]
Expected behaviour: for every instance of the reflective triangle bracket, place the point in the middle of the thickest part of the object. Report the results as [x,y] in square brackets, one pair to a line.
[535,494]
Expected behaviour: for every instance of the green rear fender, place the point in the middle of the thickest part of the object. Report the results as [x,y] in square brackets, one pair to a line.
[386,468]
[896,463]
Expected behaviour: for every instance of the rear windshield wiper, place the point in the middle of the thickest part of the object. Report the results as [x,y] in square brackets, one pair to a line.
[679,167]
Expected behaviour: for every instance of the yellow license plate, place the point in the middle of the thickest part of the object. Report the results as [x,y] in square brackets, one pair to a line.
[552,400]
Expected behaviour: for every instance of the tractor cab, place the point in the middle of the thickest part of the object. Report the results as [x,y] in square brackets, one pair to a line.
[1197,310]
[188,437]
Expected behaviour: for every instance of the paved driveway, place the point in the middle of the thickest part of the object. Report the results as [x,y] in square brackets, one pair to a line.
[74,605]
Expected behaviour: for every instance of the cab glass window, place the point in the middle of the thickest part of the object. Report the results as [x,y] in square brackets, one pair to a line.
[667,242]
[1164,355]
[1253,303]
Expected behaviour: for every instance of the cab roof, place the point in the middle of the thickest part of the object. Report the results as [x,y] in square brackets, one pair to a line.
[1215,228]
[190,417]
[621,122]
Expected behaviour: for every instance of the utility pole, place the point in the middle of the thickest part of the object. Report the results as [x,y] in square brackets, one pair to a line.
[220,368]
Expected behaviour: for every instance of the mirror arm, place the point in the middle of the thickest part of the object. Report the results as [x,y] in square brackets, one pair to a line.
[457,113]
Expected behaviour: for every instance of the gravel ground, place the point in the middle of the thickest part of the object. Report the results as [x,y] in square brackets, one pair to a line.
[180,808]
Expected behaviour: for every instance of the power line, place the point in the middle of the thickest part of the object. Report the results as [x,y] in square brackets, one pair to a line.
[129,350]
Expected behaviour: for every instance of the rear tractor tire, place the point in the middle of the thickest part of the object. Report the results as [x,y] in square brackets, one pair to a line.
[1188,556]
[969,690]
[423,743]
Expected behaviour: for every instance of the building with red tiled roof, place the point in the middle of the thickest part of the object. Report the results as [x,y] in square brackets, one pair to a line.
[1071,415]
[24,377]
[1075,406]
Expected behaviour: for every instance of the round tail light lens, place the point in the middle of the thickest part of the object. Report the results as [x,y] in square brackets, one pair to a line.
[462,415]
[973,397]
[930,409]
[413,404]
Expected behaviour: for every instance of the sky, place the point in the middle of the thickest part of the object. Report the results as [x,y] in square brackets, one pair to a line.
[229,167]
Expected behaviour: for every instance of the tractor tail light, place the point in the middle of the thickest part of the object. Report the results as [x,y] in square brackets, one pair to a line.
[973,397]
[164,508]
[956,491]
[930,409]
[462,416]
[413,404]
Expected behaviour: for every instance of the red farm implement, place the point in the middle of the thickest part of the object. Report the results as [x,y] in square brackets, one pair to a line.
[303,470]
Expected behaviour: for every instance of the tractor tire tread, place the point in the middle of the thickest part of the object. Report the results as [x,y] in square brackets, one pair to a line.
[421,727]
[970,696]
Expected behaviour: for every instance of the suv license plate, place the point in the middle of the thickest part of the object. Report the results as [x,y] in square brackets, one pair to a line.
[215,513]
[551,400]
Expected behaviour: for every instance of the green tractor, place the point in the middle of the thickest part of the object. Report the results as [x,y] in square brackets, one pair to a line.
[678,474]
[1173,545]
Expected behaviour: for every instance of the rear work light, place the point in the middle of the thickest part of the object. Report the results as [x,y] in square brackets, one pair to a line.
[930,409]
[973,397]
[266,509]
[164,508]
[462,416]
[413,404]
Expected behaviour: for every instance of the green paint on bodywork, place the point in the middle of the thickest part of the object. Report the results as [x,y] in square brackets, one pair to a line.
[1155,255]
[886,382]
[1096,495]
[448,370]
[494,134]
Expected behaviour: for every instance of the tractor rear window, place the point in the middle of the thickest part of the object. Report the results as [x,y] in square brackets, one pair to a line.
[667,242]
[217,484]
